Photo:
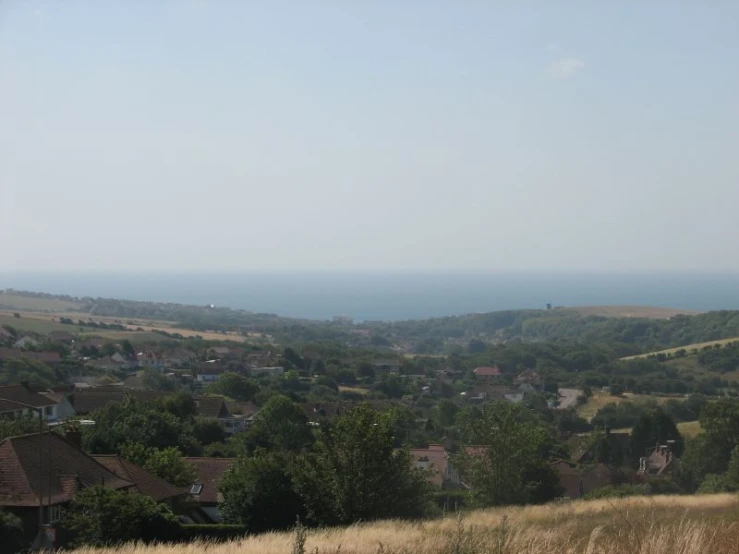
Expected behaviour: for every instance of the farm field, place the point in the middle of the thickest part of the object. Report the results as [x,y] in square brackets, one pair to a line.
[638,525]
[649,312]
[688,348]
[17,302]
[597,401]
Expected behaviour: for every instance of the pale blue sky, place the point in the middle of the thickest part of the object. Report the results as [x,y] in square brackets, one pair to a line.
[304,134]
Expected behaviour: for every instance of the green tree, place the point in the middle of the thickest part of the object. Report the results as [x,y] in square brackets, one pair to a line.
[208,431]
[279,426]
[510,463]
[11,531]
[18,370]
[447,411]
[258,492]
[168,463]
[132,421]
[654,427]
[235,386]
[357,473]
[155,381]
[128,350]
[105,517]
[720,423]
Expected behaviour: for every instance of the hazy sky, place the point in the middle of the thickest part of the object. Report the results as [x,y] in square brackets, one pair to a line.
[388,134]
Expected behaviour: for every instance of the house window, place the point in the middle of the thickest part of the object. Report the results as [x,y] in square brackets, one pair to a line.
[53,513]
[196,488]
[48,410]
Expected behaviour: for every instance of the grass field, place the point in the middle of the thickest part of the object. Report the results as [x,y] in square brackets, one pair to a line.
[44,323]
[640,525]
[355,390]
[9,301]
[597,401]
[688,348]
[690,429]
[649,312]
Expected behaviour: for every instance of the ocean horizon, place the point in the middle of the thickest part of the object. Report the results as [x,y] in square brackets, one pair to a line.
[391,296]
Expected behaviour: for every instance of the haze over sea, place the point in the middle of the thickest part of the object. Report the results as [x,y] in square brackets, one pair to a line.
[392,295]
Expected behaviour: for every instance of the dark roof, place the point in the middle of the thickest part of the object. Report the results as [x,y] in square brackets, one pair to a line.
[44,357]
[21,394]
[209,472]
[211,407]
[64,470]
[145,483]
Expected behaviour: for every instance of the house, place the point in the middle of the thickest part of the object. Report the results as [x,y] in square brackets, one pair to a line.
[62,337]
[660,462]
[487,372]
[209,372]
[64,408]
[46,470]
[214,407]
[203,492]
[150,359]
[144,482]
[26,342]
[530,377]
[386,366]
[91,399]
[435,459]
[578,481]
[258,358]
[20,400]
[178,356]
[274,371]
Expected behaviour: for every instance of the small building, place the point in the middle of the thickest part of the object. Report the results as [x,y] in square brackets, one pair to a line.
[529,377]
[382,367]
[144,483]
[487,372]
[203,492]
[435,459]
[274,371]
[661,461]
[26,342]
[62,337]
[578,481]
[20,400]
[46,470]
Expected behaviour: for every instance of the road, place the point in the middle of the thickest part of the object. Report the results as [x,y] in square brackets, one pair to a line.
[568,398]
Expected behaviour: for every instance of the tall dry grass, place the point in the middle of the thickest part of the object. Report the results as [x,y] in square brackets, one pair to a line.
[641,525]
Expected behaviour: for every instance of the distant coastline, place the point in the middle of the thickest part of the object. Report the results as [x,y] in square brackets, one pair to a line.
[393,296]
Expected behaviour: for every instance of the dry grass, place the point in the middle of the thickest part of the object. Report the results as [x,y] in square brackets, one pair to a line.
[688,348]
[599,400]
[17,302]
[649,312]
[355,390]
[653,525]
[690,429]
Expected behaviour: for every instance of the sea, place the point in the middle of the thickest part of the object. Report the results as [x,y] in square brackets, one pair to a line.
[391,296]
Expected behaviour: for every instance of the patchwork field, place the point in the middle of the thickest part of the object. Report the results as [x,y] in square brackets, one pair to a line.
[649,312]
[640,525]
[598,400]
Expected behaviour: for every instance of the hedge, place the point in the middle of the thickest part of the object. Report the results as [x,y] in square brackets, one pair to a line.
[213,532]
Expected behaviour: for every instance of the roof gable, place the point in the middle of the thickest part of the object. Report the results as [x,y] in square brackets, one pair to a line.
[146,483]
[62,467]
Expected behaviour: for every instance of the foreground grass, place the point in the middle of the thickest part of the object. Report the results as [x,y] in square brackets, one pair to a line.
[640,525]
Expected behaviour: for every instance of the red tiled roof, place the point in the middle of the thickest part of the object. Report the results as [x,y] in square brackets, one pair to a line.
[20,394]
[92,399]
[209,472]
[63,469]
[487,371]
[145,483]
[437,458]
